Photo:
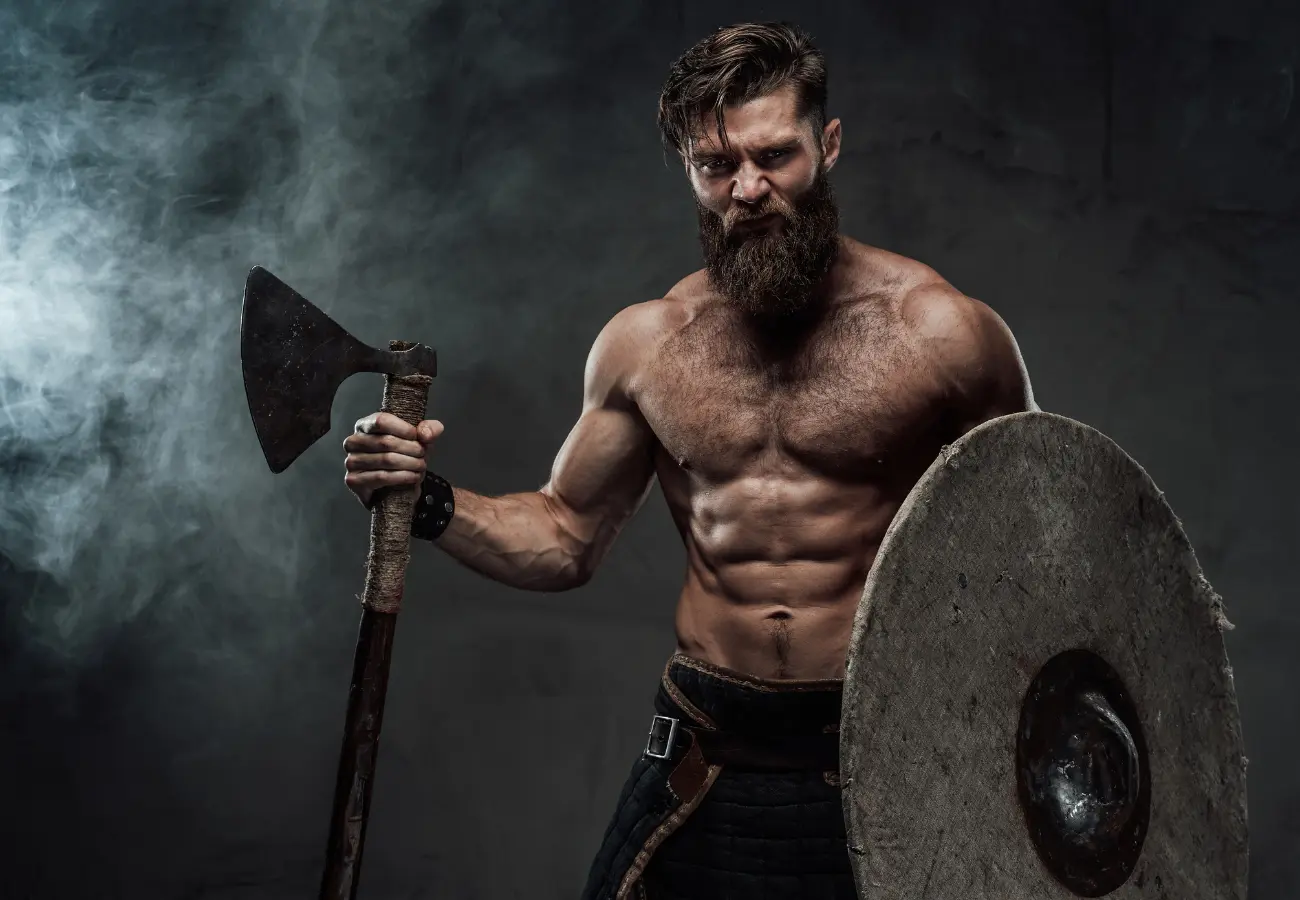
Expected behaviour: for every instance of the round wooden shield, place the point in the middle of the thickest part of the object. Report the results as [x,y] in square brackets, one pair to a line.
[1038,703]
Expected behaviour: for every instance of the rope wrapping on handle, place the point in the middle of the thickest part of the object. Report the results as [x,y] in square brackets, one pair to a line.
[390,519]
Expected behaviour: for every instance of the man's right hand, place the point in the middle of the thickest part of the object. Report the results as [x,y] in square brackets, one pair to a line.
[384,451]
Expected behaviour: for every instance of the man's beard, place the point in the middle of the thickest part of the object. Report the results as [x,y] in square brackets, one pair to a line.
[769,275]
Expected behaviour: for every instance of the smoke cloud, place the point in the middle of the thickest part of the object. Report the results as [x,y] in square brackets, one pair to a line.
[149,154]
[175,620]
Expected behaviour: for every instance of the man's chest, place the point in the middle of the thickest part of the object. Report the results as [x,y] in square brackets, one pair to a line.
[851,410]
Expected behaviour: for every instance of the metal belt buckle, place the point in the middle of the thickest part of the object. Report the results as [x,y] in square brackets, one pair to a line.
[663,732]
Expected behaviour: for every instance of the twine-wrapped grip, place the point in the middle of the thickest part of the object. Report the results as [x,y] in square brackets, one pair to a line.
[390,518]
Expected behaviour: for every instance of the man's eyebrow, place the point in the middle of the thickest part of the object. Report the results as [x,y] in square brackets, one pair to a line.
[714,154]
[787,143]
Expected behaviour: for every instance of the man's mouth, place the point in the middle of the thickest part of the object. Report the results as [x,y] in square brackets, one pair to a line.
[759,223]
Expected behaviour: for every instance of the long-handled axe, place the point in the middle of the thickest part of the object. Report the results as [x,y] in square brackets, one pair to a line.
[294,359]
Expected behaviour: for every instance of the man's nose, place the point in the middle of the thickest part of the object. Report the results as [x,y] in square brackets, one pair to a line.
[750,184]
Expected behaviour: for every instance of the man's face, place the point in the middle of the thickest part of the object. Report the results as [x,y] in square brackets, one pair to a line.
[768,222]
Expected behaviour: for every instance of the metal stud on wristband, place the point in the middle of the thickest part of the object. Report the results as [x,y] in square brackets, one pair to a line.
[434,509]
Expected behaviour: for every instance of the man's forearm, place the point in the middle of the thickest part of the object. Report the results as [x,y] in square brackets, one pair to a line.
[517,540]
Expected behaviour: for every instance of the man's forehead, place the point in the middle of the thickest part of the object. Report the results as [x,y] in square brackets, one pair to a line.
[770,119]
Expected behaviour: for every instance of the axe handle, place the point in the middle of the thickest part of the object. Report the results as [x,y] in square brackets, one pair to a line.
[347,833]
[390,550]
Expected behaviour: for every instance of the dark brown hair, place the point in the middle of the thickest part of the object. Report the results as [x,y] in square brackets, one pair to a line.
[733,66]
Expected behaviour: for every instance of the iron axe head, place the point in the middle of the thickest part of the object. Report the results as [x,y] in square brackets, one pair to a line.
[294,359]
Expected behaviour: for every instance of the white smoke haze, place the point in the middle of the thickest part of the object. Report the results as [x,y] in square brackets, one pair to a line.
[132,203]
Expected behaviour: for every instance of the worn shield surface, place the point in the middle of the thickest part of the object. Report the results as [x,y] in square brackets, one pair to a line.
[1032,536]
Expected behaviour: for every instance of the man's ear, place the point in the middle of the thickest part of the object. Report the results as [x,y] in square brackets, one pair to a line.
[831,135]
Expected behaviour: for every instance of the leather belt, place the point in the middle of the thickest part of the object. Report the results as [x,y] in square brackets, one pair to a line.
[768,752]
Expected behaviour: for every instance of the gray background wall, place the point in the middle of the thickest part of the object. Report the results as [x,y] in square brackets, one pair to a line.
[1120,181]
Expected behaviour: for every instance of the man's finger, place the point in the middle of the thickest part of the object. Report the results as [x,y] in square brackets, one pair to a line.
[428,431]
[386,423]
[394,462]
[382,443]
[366,425]
[372,481]
[391,424]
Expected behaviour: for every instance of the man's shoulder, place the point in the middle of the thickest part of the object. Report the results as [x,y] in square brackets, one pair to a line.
[647,323]
[922,300]
[958,332]
[632,336]
[934,310]
[963,338]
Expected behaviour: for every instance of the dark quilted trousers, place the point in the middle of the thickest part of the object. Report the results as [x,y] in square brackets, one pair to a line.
[755,835]
[758,836]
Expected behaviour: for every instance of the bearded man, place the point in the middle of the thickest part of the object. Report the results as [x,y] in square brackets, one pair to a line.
[786,397]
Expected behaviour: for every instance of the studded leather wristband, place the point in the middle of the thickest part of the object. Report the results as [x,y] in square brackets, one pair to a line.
[434,509]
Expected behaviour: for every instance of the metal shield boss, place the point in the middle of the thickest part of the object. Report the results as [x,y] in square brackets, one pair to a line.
[1038,702]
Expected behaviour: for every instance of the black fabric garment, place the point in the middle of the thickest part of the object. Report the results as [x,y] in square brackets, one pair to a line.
[767,834]
[757,836]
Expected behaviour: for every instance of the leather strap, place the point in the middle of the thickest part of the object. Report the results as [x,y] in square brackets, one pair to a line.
[794,752]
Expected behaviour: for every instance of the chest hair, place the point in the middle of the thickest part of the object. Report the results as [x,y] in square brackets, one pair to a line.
[837,397]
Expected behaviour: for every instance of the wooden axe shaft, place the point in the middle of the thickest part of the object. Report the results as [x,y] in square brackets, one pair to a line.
[390,551]
[365,715]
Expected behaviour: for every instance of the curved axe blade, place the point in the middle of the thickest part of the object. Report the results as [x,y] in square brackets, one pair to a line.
[294,359]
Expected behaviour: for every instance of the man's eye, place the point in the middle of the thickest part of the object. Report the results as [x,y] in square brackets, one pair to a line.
[776,154]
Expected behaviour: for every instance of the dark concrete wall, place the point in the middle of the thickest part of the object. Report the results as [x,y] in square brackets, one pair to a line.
[1120,185]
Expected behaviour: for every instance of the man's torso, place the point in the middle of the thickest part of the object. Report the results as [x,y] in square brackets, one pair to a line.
[783,465]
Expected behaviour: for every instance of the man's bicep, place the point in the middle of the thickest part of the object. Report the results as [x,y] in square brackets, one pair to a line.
[605,465]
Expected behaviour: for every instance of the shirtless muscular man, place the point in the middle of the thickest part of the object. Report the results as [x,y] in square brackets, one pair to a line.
[786,397]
